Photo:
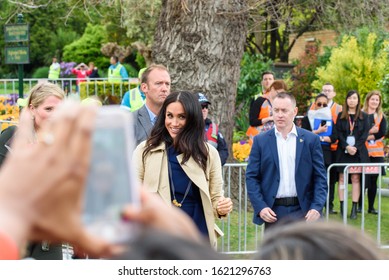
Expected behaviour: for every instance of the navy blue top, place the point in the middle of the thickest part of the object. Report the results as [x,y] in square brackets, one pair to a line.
[192,204]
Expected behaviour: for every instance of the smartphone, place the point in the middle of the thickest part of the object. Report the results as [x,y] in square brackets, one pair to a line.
[110,183]
[323,123]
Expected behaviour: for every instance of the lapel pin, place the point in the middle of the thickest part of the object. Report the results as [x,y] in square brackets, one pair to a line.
[301,140]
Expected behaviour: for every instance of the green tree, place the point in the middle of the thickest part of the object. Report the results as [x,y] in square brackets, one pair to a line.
[50,30]
[87,48]
[272,22]
[383,85]
[303,74]
[358,63]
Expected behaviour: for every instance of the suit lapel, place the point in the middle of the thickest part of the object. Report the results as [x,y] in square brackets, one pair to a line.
[273,148]
[145,119]
[299,147]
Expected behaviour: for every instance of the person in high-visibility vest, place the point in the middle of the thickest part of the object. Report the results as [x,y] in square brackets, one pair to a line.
[260,114]
[55,70]
[116,71]
[329,91]
[374,144]
[135,98]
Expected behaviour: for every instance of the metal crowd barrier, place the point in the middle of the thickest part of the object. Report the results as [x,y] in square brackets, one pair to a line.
[67,84]
[363,169]
[241,236]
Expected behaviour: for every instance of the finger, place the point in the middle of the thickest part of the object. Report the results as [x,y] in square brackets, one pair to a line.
[81,142]
[94,246]
[61,125]
[131,213]
[24,131]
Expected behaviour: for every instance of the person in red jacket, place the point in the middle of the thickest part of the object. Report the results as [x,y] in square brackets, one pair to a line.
[82,72]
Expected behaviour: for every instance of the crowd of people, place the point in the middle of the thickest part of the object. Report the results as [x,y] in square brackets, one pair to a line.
[178,162]
[352,133]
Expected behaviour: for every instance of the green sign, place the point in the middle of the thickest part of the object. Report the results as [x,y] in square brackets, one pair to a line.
[17,55]
[16,33]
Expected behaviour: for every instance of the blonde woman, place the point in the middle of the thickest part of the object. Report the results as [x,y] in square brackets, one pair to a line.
[41,102]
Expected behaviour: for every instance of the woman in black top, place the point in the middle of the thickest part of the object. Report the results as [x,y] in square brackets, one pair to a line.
[352,128]
[374,143]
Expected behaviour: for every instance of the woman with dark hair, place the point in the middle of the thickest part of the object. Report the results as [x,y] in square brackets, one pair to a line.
[181,167]
[352,129]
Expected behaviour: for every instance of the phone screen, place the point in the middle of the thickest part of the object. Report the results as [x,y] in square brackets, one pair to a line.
[110,185]
[323,122]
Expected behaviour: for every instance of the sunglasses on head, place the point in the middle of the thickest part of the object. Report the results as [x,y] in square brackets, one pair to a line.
[204,106]
[319,104]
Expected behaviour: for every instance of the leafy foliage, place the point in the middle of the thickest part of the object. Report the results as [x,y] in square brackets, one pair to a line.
[383,85]
[303,75]
[141,19]
[87,48]
[272,22]
[41,72]
[358,63]
[132,72]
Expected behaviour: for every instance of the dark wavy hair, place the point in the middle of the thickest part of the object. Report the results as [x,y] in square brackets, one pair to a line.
[190,141]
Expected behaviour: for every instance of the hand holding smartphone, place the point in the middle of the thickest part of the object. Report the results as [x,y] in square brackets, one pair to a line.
[110,184]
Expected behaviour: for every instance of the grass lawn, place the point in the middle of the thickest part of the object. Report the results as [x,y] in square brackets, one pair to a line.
[243,236]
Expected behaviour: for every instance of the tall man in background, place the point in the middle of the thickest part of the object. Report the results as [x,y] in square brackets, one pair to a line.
[54,70]
[116,71]
[329,91]
[155,84]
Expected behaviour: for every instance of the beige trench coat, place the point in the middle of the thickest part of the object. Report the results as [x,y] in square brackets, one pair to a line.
[153,173]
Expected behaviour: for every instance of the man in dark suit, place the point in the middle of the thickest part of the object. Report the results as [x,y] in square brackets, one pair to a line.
[155,84]
[285,176]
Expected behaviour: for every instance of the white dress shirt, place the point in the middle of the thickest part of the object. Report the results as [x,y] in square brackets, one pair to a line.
[287,161]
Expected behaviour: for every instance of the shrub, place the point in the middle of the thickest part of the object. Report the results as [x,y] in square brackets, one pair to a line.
[303,75]
[359,63]
[87,48]
[41,72]
[132,72]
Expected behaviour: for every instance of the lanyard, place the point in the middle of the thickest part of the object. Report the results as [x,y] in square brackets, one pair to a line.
[352,124]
